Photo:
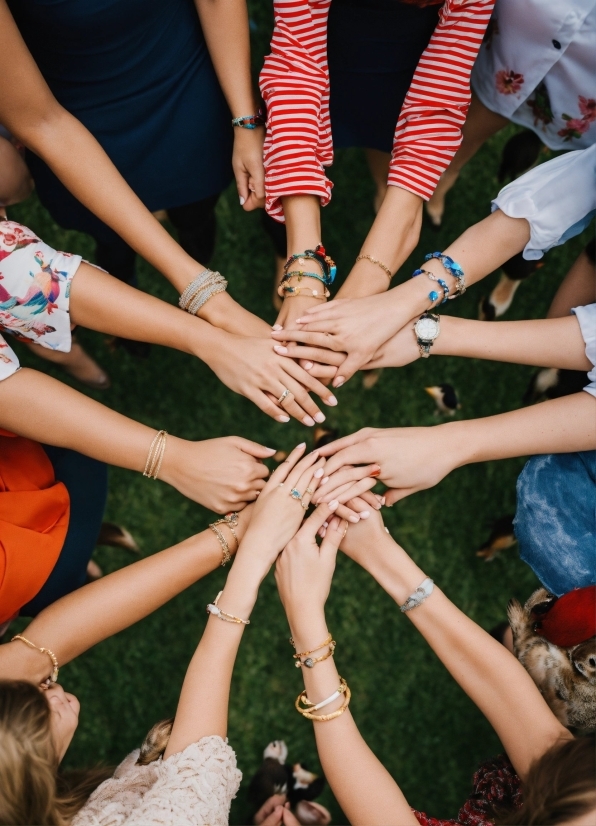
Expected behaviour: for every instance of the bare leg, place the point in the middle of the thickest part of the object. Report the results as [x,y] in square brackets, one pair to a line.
[77,363]
[480,125]
[378,163]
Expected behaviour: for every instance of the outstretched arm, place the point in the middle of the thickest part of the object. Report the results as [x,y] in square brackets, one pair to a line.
[416,458]
[93,613]
[489,674]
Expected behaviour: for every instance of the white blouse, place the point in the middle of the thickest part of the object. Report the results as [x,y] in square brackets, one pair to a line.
[586,317]
[192,788]
[34,293]
[537,67]
[558,199]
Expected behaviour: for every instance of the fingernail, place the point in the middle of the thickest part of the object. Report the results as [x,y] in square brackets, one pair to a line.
[319,473]
[382,500]
[331,400]
[325,524]
[283,351]
[302,444]
[271,449]
[308,421]
[333,505]
[354,518]
[364,514]
[319,417]
[376,472]
[322,533]
[337,382]
[378,506]
[325,480]
[283,419]
[298,321]
[277,327]
[242,200]
[307,365]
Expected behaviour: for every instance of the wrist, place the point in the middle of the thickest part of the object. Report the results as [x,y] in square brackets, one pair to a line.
[395,571]
[173,458]
[240,590]
[308,627]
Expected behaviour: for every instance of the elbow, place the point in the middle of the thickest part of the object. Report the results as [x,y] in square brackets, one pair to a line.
[42,128]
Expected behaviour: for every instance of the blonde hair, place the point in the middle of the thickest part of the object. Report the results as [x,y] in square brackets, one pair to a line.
[31,790]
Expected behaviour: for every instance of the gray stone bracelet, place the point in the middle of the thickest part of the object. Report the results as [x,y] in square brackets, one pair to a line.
[422,592]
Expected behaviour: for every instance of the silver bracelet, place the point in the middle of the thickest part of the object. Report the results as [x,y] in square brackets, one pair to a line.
[422,592]
[201,289]
[191,288]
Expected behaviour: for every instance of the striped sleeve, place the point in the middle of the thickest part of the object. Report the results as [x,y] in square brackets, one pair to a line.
[294,84]
[428,132]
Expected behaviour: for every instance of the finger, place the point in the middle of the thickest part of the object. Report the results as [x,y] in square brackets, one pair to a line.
[281,472]
[242,185]
[346,474]
[258,182]
[253,448]
[351,365]
[318,354]
[344,512]
[334,534]
[323,372]
[346,441]
[297,411]
[310,383]
[312,525]
[316,339]
[329,310]
[268,404]
[357,504]
[300,468]
[396,494]
[308,483]
[275,818]
[357,454]
[373,500]
[280,415]
[355,489]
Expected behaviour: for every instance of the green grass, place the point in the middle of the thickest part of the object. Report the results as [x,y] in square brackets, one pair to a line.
[412,714]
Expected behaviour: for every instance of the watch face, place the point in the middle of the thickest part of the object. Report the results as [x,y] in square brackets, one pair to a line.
[427,329]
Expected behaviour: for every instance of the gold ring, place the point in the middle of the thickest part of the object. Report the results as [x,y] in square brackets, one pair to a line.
[283,396]
[308,490]
[304,507]
[345,531]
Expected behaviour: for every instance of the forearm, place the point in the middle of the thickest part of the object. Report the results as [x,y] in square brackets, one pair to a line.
[103,608]
[204,699]
[362,778]
[554,342]
[392,238]
[45,410]
[489,674]
[564,425]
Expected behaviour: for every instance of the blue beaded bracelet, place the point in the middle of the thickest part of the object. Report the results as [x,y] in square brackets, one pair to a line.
[433,277]
[453,268]
[303,274]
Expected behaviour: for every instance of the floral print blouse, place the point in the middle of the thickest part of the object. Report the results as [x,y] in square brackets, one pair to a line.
[34,293]
[537,67]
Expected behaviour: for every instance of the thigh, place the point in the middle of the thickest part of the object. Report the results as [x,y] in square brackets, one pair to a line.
[87,483]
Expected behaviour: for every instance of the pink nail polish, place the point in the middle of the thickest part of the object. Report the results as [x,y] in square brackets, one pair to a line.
[308,365]
[333,505]
[283,351]
[331,401]
[283,418]
[364,514]
[242,201]
[319,418]
[308,421]
[277,327]
[325,480]
[354,519]
[337,382]
[319,473]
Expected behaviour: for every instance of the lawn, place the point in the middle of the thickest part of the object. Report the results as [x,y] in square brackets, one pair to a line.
[412,714]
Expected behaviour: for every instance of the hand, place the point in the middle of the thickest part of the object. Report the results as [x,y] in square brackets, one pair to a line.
[304,570]
[221,474]
[250,367]
[356,326]
[322,364]
[367,541]
[400,350]
[277,515]
[411,458]
[247,163]
[349,482]
[272,805]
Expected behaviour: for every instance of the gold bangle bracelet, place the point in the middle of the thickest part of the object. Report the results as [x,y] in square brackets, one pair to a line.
[323,718]
[156,454]
[51,655]
[310,662]
[376,261]
[226,555]
[316,648]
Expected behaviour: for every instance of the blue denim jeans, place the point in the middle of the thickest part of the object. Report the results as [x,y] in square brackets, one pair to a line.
[555,522]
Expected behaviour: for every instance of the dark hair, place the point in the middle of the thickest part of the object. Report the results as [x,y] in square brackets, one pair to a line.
[31,790]
[560,786]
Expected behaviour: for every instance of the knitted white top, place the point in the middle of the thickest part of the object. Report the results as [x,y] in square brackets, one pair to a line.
[192,788]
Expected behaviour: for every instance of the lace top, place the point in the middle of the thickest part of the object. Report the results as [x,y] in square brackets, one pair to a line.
[192,788]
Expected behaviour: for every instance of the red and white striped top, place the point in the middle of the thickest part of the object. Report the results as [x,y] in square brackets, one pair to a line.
[294,83]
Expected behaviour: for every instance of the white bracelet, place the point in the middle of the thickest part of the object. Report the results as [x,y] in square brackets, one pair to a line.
[213,608]
[341,690]
[422,592]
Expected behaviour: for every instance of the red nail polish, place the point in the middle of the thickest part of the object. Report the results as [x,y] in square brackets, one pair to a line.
[376,472]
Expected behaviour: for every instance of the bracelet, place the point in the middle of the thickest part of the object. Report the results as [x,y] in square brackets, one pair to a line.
[250,121]
[422,592]
[376,261]
[302,698]
[323,718]
[51,655]
[433,277]
[231,521]
[318,254]
[300,274]
[453,268]
[316,648]
[212,608]
[310,662]
[287,291]
[201,289]
[155,455]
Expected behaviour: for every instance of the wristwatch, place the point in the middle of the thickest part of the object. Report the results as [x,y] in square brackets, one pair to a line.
[427,328]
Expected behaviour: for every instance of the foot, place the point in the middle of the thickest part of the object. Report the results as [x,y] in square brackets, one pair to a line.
[77,363]
[502,295]
[279,274]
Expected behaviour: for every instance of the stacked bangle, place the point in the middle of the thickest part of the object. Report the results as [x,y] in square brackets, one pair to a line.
[310,662]
[216,611]
[155,455]
[320,256]
[287,291]
[300,274]
[433,277]
[250,121]
[306,708]
[55,667]
[376,261]
[453,268]
[231,520]
[201,289]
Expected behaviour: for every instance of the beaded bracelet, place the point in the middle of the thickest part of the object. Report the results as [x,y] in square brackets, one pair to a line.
[214,609]
[376,261]
[433,294]
[55,667]
[316,648]
[250,121]
[318,254]
[300,274]
[453,268]
[201,289]
[310,662]
[232,522]
[422,592]
[433,277]
[155,455]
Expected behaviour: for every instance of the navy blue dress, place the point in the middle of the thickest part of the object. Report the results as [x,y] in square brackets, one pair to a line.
[138,75]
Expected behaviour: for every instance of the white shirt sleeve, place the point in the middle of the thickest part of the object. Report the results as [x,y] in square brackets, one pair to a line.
[587,323]
[557,198]
[9,362]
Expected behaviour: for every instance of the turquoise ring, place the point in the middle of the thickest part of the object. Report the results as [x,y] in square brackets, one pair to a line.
[295,494]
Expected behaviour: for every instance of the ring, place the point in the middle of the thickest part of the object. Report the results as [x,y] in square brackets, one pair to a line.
[305,506]
[283,396]
[308,490]
[295,494]
[281,484]
[345,531]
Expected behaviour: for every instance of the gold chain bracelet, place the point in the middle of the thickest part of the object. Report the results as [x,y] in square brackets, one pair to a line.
[51,655]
